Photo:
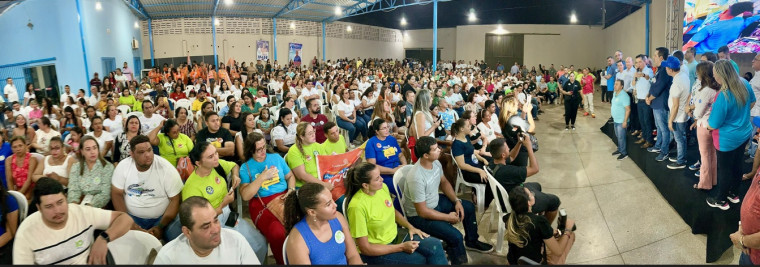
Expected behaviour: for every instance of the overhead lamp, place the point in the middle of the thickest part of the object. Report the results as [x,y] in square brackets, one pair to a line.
[573,19]
[403,21]
[98,6]
[348,28]
[338,11]
[292,25]
[217,22]
[471,17]
[500,30]
[228,2]
[137,25]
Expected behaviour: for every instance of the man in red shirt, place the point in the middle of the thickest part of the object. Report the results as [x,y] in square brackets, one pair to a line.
[587,82]
[315,119]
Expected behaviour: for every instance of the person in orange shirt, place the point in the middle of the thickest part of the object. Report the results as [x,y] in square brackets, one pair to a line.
[155,76]
[211,77]
[234,73]
[222,74]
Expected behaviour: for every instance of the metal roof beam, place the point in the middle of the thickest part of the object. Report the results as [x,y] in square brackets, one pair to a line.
[137,7]
[216,6]
[632,2]
[176,4]
[292,6]
[380,5]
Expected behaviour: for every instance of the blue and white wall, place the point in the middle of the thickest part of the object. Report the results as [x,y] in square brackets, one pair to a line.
[56,36]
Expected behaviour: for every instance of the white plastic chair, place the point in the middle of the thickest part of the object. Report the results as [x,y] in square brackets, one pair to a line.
[220,105]
[56,124]
[498,191]
[136,113]
[124,109]
[480,189]
[285,251]
[185,103]
[345,207]
[23,205]
[133,248]
[398,180]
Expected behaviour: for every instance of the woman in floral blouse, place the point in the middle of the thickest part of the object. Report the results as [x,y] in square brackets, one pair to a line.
[90,179]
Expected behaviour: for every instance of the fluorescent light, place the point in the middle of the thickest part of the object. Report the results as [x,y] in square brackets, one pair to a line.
[500,30]
[137,25]
[98,6]
[348,28]
[403,21]
[292,25]
[471,17]
[217,22]
[228,2]
[338,11]
[573,19]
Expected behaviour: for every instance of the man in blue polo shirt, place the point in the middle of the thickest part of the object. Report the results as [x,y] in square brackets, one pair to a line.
[611,75]
[659,93]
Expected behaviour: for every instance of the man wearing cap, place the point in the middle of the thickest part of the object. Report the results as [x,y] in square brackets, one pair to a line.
[677,101]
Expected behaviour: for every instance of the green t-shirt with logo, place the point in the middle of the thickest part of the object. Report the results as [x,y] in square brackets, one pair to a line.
[212,187]
[308,159]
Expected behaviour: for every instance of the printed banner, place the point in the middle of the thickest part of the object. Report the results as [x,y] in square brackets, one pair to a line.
[333,168]
[262,50]
[294,53]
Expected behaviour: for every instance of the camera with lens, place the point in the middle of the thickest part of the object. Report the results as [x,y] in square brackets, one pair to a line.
[517,129]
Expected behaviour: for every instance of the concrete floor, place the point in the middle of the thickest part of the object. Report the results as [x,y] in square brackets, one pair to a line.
[621,217]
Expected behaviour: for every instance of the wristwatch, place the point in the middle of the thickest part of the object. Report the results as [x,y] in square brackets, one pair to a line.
[105,236]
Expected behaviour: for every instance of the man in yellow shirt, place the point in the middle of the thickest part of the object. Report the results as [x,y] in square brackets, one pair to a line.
[335,143]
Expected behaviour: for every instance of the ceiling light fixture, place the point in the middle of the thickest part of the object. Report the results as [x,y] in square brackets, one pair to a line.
[403,21]
[573,19]
[137,25]
[228,2]
[348,28]
[217,22]
[471,17]
[500,30]
[338,11]
[292,25]
[98,6]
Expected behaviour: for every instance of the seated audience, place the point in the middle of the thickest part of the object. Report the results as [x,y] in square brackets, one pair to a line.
[265,177]
[19,169]
[113,122]
[335,143]
[487,126]
[121,143]
[172,145]
[468,160]
[284,132]
[21,129]
[384,151]
[147,188]
[200,114]
[90,178]
[104,138]
[219,137]
[203,240]
[317,233]
[315,119]
[57,164]
[43,135]
[435,213]
[5,153]
[248,127]
[265,122]
[347,119]
[375,224]
[531,235]
[226,109]
[8,225]
[149,119]
[185,122]
[232,121]
[62,233]
[210,180]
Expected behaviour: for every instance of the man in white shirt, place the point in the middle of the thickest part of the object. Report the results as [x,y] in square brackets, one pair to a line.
[363,84]
[149,121]
[10,91]
[121,80]
[65,96]
[203,240]
[62,232]
[148,187]
[641,87]
[93,100]
[678,99]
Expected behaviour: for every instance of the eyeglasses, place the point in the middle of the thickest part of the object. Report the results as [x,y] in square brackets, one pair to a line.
[261,149]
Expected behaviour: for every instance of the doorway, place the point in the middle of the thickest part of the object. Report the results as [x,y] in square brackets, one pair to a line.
[109,65]
[504,48]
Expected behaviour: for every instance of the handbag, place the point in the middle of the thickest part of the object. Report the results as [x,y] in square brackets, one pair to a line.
[276,206]
[184,164]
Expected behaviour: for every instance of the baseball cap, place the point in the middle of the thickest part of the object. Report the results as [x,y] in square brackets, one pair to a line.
[672,62]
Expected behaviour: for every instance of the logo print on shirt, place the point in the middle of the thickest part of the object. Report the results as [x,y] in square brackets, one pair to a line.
[218,180]
[209,190]
[340,237]
[387,203]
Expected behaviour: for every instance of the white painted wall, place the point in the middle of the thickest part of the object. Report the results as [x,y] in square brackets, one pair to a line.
[627,35]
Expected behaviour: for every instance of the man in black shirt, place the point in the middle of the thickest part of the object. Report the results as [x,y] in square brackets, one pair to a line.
[510,176]
[220,137]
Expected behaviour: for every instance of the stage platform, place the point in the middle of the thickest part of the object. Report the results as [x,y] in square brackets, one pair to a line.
[676,187]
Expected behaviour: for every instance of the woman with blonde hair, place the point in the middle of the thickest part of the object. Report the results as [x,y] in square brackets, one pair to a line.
[302,156]
[423,123]
[731,117]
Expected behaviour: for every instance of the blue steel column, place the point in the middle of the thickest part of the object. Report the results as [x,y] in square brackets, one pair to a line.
[150,38]
[84,50]
[435,35]
[646,31]
[324,41]
[274,39]
[213,34]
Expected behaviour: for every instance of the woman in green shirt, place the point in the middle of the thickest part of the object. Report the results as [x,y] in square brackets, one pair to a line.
[127,98]
[90,179]
[171,144]
[249,105]
[374,223]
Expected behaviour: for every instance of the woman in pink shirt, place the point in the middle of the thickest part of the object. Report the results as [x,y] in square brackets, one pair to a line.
[35,114]
[587,82]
